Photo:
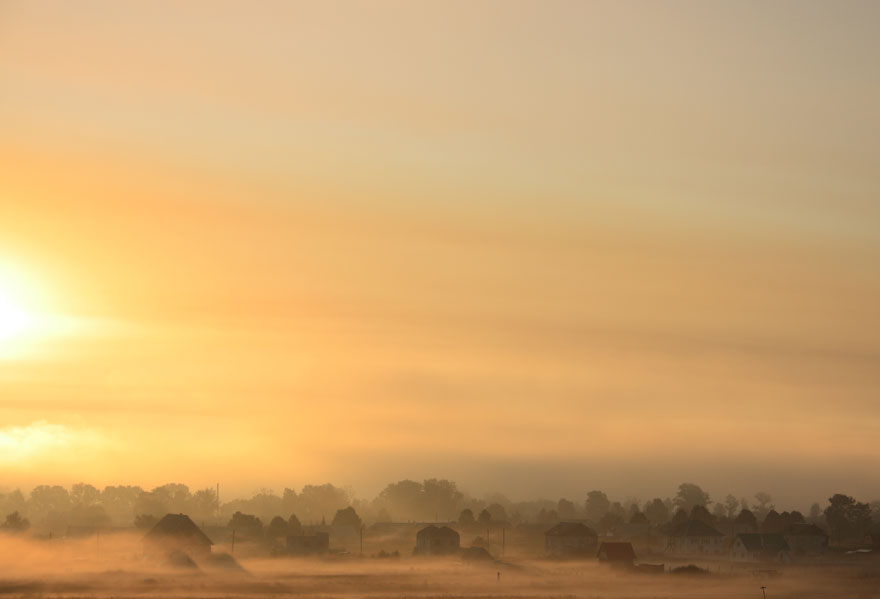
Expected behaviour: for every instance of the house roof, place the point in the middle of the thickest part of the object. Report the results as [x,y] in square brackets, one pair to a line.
[177,526]
[617,551]
[804,530]
[694,528]
[757,541]
[438,531]
[570,529]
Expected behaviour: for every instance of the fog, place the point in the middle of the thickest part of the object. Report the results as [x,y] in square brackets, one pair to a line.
[115,566]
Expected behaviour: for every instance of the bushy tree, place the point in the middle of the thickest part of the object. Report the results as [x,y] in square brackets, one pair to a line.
[657,512]
[466,517]
[690,495]
[597,505]
[15,523]
[294,526]
[848,519]
[746,520]
[566,508]
[145,521]
[277,528]
[347,517]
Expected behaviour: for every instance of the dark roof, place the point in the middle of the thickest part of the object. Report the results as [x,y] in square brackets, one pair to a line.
[570,529]
[476,554]
[756,541]
[437,531]
[177,526]
[805,530]
[694,528]
[617,551]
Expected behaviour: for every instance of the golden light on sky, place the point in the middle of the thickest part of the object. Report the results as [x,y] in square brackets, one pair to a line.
[527,246]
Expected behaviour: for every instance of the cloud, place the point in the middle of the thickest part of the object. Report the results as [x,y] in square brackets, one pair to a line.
[41,439]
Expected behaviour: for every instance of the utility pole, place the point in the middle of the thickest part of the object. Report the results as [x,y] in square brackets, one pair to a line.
[503,539]
[232,552]
[362,540]
[763,592]
[218,504]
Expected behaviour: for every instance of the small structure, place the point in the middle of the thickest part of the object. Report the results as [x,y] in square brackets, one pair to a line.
[695,537]
[437,540]
[476,554]
[760,547]
[806,539]
[176,533]
[311,544]
[616,554]
[570,539]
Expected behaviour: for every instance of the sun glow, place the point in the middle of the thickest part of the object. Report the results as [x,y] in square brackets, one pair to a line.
[24,315]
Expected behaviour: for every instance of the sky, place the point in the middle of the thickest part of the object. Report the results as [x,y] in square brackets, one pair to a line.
[533,247]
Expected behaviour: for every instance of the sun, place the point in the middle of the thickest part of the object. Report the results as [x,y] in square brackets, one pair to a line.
[14,319]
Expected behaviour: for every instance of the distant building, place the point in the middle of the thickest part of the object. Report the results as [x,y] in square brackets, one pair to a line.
[760,547]
[570,539]
[437,540]
[619,554]
[308,544]
[177,533]
[695,537]
[476,554]
[806,539]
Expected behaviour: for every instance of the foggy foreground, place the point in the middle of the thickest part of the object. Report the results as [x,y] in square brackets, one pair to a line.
[116,567]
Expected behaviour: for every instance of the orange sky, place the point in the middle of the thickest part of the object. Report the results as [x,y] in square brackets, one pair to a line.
[538,247]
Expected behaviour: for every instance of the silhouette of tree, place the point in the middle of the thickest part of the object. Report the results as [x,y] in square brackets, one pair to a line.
[746,520]
[145,521]
[499,514]
[610,521]
[119,502]
[815,513]
[764,506]
[14,523]
[277,528]
[566,508]
[547,516]
[773,522]
[597,505]
[731,504]
[247,525]
[383,515]
[848,519]
[466,517]
[347,517]
[796,518]
[204,504]
[678,519]
[657,512]
[294,526]
[84,494]
[485,517]
[690,495]
[638,517]
[699,512]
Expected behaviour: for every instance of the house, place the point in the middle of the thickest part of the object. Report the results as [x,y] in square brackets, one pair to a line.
[308,544]
[569,539]
[695,537]
[176,533]
[476,554]
[806,539]
[760,547]
[437,540]
[616,554]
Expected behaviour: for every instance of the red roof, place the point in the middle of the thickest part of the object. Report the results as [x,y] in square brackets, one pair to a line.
[616,552]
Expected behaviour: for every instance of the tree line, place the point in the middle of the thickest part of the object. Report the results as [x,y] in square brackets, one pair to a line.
[54,508]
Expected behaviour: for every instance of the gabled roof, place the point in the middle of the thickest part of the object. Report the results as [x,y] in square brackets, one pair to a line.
[805,530]
[177,526]
[570,529]
[617,551]
[756,541]
[438,531]
[694,528]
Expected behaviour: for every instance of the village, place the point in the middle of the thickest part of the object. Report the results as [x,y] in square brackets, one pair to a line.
[640,538]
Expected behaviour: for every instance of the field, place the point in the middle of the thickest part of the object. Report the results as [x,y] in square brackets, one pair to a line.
[116,569]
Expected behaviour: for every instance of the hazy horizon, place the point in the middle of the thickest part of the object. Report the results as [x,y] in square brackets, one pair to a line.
[538,248]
